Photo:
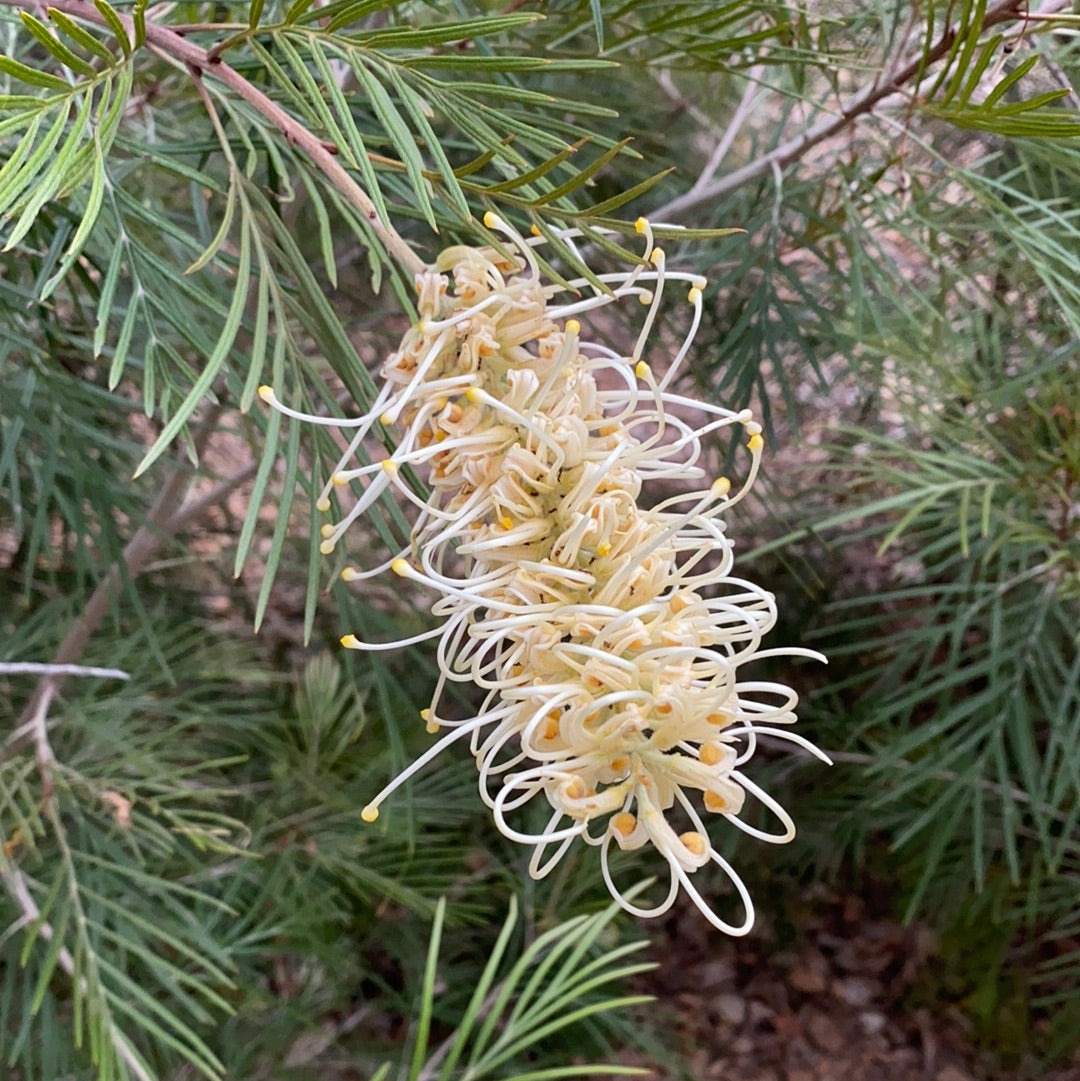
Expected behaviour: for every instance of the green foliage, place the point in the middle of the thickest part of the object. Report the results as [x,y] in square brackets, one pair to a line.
[199,201]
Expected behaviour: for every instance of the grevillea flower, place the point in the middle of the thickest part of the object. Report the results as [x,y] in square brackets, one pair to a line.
[604,626]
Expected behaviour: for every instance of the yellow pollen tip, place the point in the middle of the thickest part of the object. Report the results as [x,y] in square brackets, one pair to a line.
[473,394]
[535,230]
[576,789]
[603,549]
[424,326]
[339,480]
[431,727]
[573,326]
[641,225]
[492,220]
[267,394]
[645,299]
[656,256]
[663,708]
[425,714]
[710,753]
[624,822]
[755,444]
[388,465]
[350,641]
[369,813]
[327,547]
[715,802]
[401,567]
[721,486]
[322,504]
[694,295]
[693,842]
[620,763]
[326,530]
[349,574]
[641,370]
[717,718]
[506,523]
[551,729]
[386,419]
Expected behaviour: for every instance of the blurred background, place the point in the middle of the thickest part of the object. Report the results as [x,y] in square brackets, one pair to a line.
[188,890]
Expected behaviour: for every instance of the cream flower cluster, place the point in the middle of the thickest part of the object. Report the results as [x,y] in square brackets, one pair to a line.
[604,627]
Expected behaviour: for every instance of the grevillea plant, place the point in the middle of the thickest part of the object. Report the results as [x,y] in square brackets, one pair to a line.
[578,549]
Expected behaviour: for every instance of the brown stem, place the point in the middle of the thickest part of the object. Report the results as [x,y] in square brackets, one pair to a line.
[201,60]
[858,105]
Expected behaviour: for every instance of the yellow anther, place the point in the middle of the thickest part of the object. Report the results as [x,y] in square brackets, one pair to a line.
[624,823]
[389,466]
[694,295]
[621,763]
[573,326]
[755,444]
[322,504]
[656,256]
[535,230]
[721,486]
[350,574]
[710,753]
[400,566]
[350,641]
[474,395]
[603,549]
[551,729]
[641,225]
[492,220]
[425,714]
[576,789]
[716,802]
[718,719]
[267,394]
[694,843]
[641,370]
[326,530]
[506,522]
[663,708]
[386,419]
[369,813]
[327,547]
[339,480]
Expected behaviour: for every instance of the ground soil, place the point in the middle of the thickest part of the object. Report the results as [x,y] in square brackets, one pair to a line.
[836,1004]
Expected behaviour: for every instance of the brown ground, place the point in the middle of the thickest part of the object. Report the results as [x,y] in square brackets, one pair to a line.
[834,1006]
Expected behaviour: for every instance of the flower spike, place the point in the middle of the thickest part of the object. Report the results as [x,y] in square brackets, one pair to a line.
[605,628]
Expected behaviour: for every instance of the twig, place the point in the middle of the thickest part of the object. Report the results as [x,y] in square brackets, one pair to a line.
[34,668]
[196,58]
[858,105]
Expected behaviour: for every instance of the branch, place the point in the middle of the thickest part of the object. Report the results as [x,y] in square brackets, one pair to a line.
[201,61]
[860,104]
[32,668]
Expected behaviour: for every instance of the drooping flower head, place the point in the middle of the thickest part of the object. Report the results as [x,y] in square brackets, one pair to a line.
[579,554]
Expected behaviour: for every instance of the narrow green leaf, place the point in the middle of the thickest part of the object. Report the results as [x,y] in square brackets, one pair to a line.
[223,229]
[86,226]
[416,107]
[580,178]
[281,524]
[423,37]
[115,24]
[32,75]
[427,993]
[216,359]
[78,34]
[138,18]
[123,343]
[401,137]
[1010,80]
[55,46]
[255,13]
[535,173]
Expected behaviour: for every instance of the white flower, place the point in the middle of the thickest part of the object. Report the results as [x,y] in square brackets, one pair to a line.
[608,634]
